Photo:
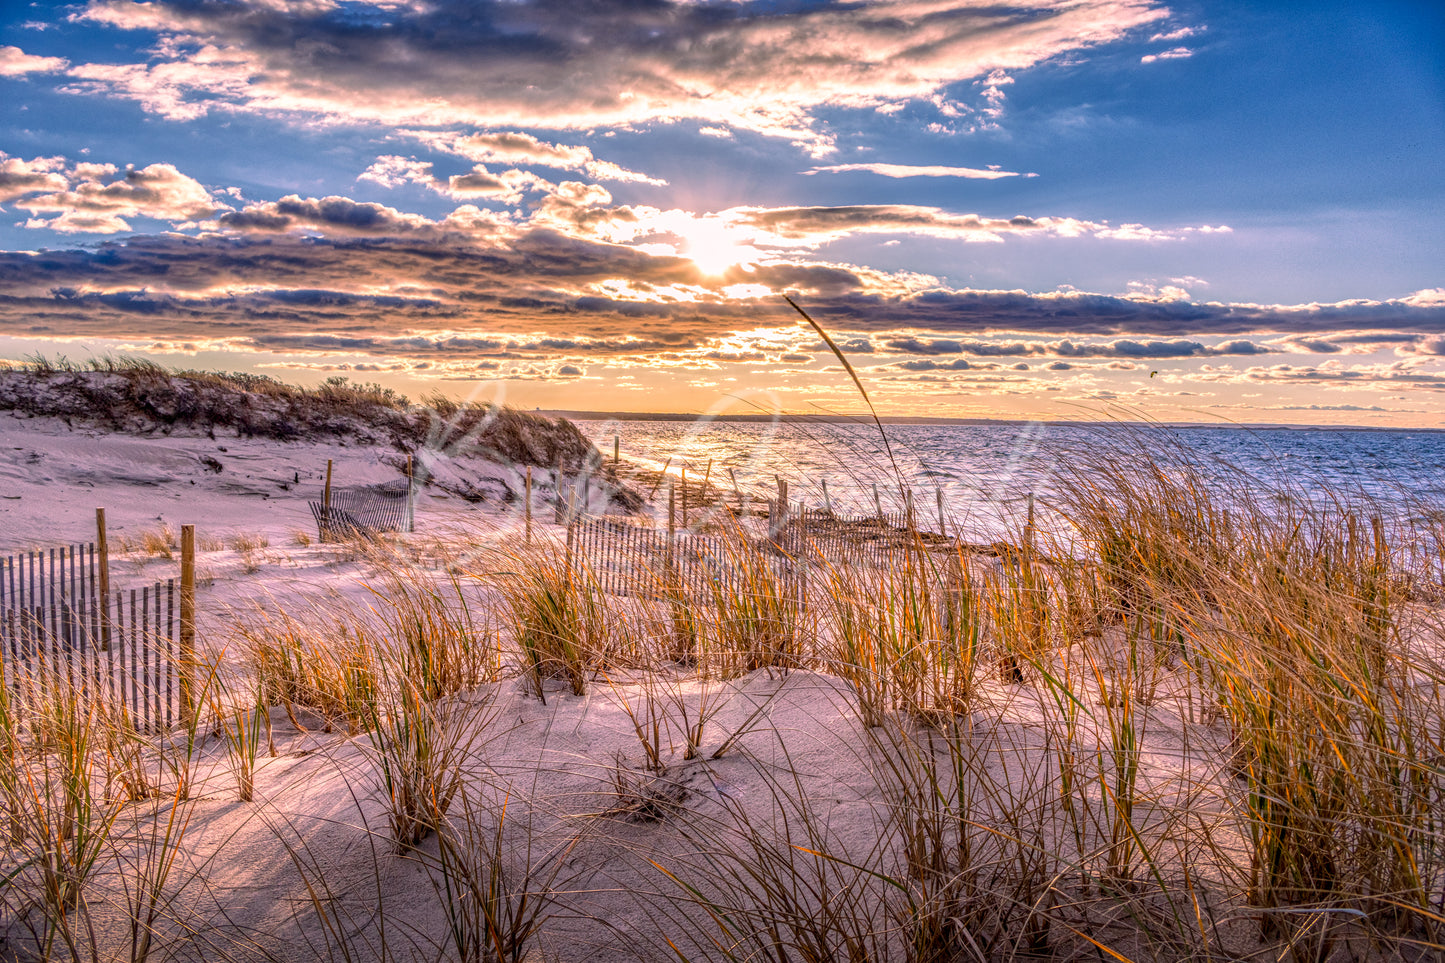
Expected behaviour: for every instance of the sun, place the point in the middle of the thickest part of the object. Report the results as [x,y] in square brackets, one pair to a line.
[714,246]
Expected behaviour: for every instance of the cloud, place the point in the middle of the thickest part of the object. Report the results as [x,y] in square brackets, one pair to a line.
[336,216]
[1389,376]
[393,171]
[15,62]
[506,187]
[1123,348]
[335,276]
[749,65]
[93,200]
[923,364]
[1179,33]
[1177,53]
[811,226]
[199,78]
[20,177]
[517,147]
[905,170]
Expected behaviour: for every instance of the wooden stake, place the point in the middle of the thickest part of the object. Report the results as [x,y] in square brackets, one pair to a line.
[188,621]
[529,504]
[326,496]
[616,450]
[827,502]
[1029,526]
[671,522]
[942,529]
[410,496]
[736,490]
[684,496]
[102,551]
[877,505]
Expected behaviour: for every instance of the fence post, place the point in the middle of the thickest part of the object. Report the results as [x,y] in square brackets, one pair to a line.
[616,450]
[326,495]
[877,505]
[684,497]
[1029,526]
[736,490]
[908,509]
[827,502]
[942,528]
[778,522]
[188,622]
[671,524]
[571,536]
[529,504]
[410,496]
[102,551]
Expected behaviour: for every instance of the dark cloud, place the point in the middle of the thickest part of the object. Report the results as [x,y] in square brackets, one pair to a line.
[329,215]
[1402,374]
[1123,348]
[558,64]
[958,364]
[537,292]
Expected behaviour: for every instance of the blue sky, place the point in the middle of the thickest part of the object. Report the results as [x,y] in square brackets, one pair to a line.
[1195,210]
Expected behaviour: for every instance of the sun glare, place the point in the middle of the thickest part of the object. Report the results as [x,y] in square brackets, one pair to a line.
[714,247]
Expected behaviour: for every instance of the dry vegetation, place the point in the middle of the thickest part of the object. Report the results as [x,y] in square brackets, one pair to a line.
[1199,724]
[140,396]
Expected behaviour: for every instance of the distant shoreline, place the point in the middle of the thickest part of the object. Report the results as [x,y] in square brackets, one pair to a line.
[818,419]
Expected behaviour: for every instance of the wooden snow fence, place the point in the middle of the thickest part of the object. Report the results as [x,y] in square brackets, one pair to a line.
[364,511]
[61,638]
[824,538]
[624,558]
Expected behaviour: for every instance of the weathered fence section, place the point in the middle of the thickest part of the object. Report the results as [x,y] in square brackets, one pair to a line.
[825,538]
[630,559]
[37,579]
[365,510]
[60,638]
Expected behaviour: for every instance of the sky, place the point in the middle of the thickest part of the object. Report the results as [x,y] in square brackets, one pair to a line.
[1190,211]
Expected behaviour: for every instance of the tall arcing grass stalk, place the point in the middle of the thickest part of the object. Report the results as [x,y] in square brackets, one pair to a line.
[11,762]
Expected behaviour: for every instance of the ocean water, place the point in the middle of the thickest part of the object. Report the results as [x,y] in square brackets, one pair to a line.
[986,472]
